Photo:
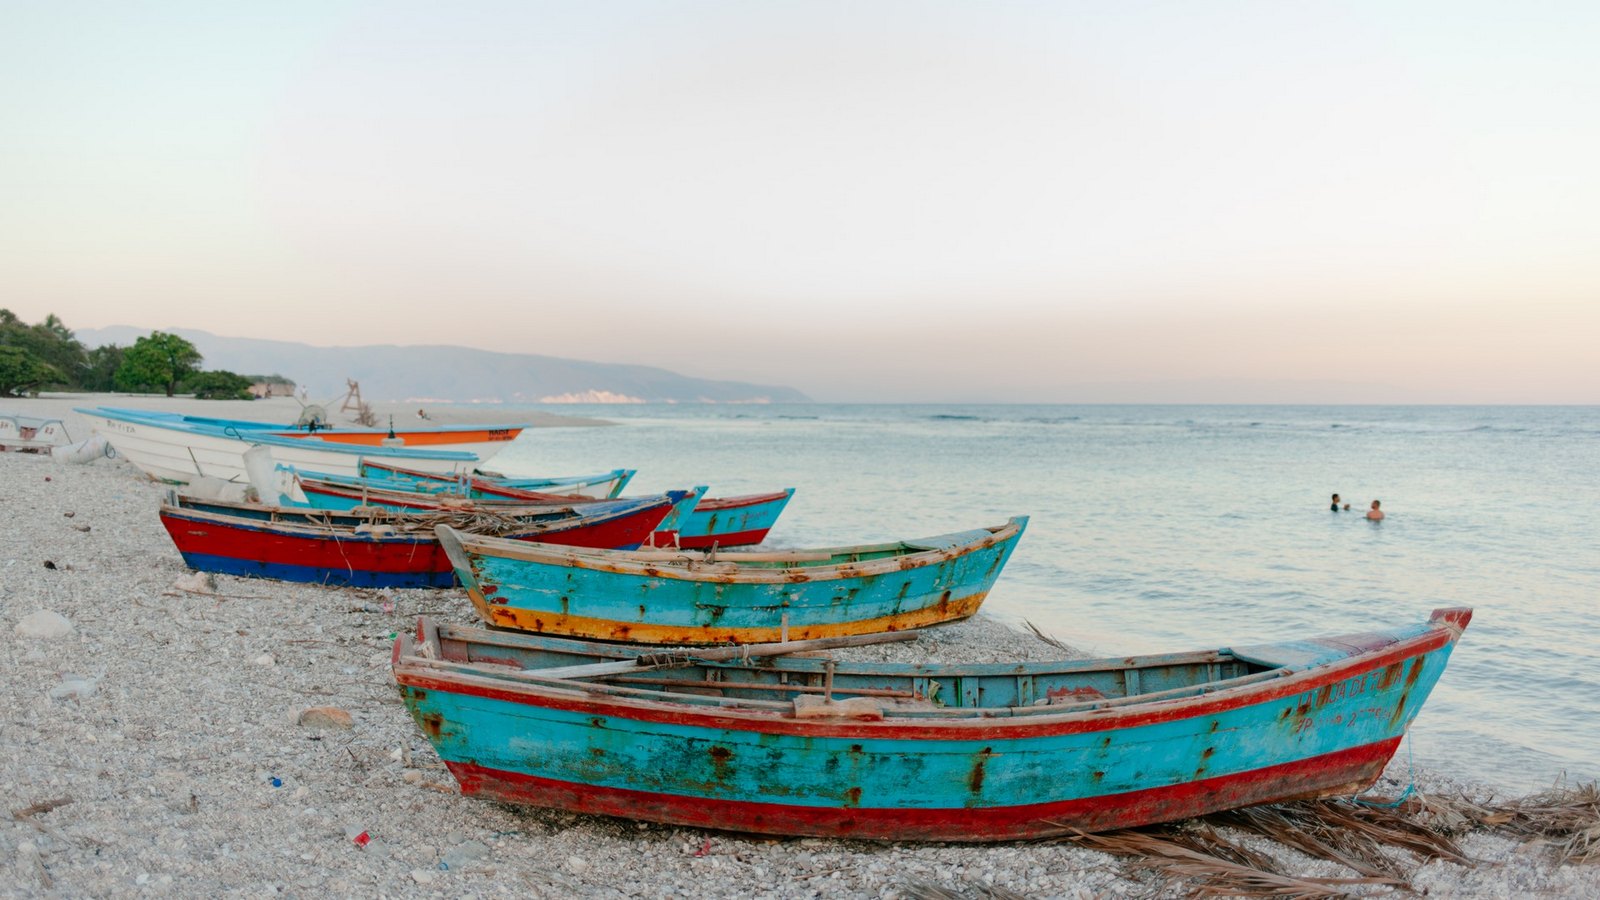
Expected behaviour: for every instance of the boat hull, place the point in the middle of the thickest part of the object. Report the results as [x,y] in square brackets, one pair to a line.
[28,433]
[1339,773]
[620,599]
[482,442]
[726,522]
[1018,774]
[179,455]
[296,550]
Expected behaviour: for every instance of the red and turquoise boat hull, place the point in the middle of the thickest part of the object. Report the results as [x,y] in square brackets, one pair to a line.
[725,522]
[939,753]
[290,545]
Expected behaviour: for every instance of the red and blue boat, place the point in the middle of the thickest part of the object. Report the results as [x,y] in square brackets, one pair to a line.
[698,523]
[770,744]
[376,550]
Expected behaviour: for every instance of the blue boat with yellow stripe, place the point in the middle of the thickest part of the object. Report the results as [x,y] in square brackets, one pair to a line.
[711,597]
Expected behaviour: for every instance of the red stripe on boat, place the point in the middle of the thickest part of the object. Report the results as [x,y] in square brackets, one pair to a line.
[1351,769]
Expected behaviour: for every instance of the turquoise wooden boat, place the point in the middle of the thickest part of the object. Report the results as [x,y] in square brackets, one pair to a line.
[601,484]
[758,742]
[689,597]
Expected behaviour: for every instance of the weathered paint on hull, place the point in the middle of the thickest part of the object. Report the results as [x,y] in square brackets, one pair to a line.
[1342,772]
[952,610]
[587,600]
[1019,774]
[259,549]
[726,522]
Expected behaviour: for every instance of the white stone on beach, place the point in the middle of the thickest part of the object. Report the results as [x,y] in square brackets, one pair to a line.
[265,659]
[198,582]
[44,624]
[73,686]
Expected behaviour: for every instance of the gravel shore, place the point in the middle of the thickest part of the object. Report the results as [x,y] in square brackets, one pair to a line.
[163,728]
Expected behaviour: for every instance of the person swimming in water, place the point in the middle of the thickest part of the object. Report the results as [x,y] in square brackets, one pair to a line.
[1375,514]
[1335,506]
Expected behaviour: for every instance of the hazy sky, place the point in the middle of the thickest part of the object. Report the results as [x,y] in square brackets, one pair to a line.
[1387,201]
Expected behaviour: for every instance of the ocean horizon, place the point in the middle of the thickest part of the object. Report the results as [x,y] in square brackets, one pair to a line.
[1159,528]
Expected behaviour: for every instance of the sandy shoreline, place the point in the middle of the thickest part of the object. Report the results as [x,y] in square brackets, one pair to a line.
[166,719]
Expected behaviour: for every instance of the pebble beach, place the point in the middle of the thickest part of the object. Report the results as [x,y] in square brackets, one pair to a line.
[175,734]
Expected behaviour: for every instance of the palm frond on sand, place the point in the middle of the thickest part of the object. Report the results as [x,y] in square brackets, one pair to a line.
[1566,818]
[1373,842]
[1210,866]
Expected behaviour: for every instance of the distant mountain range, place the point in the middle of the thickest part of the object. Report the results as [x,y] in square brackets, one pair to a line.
[459,374]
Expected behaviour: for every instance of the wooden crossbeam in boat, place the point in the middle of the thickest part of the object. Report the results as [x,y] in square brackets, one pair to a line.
[675,658]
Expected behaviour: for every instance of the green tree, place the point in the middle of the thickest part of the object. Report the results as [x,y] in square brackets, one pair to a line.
[160,360]
[22,371]
[100,374]
[219,385]
[51,342]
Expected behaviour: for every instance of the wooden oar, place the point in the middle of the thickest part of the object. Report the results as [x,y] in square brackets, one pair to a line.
[677,659]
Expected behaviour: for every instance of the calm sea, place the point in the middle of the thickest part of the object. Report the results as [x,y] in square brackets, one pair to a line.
[1160,528]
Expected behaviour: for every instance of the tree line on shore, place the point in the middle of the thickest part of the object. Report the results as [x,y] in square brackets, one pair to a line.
[47,356]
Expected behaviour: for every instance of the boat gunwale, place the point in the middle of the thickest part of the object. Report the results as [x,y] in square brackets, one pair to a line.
[741,501]
[1438,632]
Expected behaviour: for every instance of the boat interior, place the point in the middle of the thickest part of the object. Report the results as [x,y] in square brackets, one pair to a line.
[808,684]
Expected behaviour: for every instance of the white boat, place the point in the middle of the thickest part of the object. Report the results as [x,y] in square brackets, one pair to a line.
[28,433]
[169,449]
[482,440]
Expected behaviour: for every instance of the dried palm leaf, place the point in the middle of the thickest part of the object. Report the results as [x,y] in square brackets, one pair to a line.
[1054,642]
[1566,817]
[1213,875]
[1353,836]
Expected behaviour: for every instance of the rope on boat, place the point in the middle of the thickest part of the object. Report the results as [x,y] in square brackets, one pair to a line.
[473,521]
[1410,786]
